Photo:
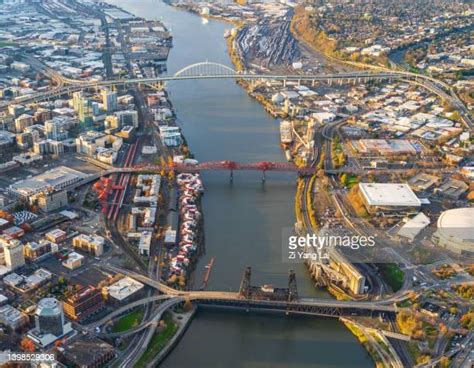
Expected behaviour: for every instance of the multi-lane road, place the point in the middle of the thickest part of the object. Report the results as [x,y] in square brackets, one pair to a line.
[209,70]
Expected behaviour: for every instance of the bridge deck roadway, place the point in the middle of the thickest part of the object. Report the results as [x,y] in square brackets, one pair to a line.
[126,308]
[435,86]
[226,296]
[151,323]
[431,84]
[264,305]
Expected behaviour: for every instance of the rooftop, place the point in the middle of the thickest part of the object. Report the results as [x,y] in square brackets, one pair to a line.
[51,179]
[458,223]
[414,226]
[389,194]
[124,288]
[86,351]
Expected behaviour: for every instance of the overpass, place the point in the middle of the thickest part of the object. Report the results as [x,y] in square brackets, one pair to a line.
[356,77]
[317,307]
[320,308]
[118,312]
[310,306]
[153,322]
[210,70]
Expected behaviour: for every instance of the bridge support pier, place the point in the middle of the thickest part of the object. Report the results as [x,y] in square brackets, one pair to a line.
[264,177]
[244,289]
[231,177]
[292,288]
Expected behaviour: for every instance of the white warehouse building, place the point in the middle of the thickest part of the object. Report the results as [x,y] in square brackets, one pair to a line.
[389,198]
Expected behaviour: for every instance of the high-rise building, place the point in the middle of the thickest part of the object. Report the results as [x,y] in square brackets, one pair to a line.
[22,122]
[49,317]
[127,117]
[76,100]
[57,128]
[109,100]
[42,115]
[83,303]
[83,107]
[13,251]
[49,323]
[16,110]
[24,140]
[52,129]
[85,112]
[95,108]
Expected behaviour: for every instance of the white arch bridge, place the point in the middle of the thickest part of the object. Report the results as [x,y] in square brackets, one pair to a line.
[205,68]
[213,70]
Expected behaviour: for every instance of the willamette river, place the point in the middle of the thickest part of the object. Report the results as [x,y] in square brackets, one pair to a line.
[243,220]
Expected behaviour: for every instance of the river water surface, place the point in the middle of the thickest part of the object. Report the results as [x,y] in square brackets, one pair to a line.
[243,220]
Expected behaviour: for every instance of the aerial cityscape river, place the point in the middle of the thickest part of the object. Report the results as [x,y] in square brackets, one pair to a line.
[243,220]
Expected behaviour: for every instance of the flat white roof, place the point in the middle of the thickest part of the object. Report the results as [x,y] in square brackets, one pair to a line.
[54,178]
[124,288]
[389,194]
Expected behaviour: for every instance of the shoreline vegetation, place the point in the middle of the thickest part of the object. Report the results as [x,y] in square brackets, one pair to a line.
[363,340]
[233,54]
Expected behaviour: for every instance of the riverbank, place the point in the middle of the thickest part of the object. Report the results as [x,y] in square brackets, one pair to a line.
[164,334]
[182,325]
[192,9]
[244,218]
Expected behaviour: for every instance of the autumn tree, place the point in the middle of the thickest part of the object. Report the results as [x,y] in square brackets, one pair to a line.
[444,362]
[188,305]
[467,320]
[27,344]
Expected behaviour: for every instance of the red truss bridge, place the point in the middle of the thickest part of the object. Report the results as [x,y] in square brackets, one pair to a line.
[231,166]
[105,186]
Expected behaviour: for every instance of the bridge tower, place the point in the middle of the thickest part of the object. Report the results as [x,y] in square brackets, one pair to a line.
[292,288]
[245,283]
